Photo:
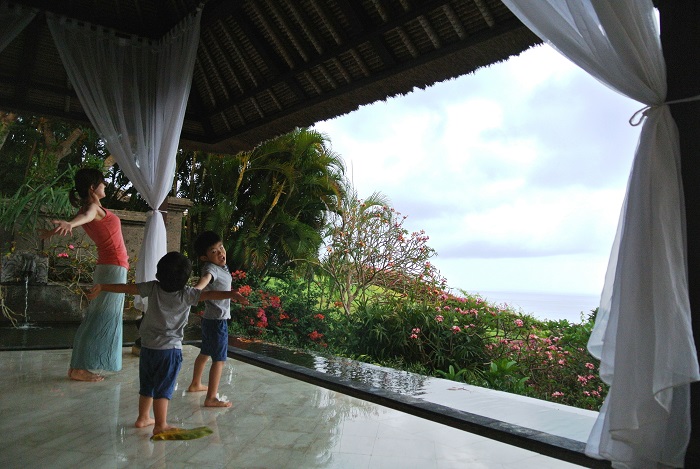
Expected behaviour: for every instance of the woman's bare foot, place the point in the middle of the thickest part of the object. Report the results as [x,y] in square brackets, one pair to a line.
[84,375]
[214,402]
[144,422]
[167,428]
[197,388]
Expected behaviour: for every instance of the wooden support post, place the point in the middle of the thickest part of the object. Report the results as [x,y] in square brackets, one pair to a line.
[681,45]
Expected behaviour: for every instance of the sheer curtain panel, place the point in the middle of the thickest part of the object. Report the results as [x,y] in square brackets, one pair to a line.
[13,19]
[643,334]
[134,91]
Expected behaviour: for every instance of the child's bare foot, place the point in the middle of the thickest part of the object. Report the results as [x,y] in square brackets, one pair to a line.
[84,375]
[215,402]
[197,388]
[144,422]
[167,428]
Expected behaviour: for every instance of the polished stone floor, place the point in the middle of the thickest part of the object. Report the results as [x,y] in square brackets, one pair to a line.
[48,421]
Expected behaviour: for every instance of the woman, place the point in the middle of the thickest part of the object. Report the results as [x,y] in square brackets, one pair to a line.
[98,341]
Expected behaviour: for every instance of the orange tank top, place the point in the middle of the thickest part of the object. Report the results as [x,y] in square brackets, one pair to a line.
[107,236]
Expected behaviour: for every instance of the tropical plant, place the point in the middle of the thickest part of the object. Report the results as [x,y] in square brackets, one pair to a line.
[367,246]
[295,322]
[269,204]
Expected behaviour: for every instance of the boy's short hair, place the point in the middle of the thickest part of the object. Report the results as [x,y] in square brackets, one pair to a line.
[173,271]
[204,241]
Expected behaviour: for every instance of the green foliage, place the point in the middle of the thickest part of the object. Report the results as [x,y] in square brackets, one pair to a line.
[269,204]
[460,374]
[23,209]
[297,322]
[464,338]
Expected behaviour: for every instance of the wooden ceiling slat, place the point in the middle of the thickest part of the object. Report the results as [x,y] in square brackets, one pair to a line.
[213,70]
[428,28]
[243,58]
[303,20]
[485,12]
[328,22]
[274,36]
[288,30]
[454,21]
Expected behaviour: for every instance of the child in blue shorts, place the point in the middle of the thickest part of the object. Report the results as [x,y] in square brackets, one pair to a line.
[162,330]
[215,276]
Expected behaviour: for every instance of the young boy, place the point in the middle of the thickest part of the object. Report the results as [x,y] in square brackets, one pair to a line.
[215,276]
[162,330]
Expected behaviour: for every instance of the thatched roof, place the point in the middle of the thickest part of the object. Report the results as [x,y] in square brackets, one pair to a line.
[266,66]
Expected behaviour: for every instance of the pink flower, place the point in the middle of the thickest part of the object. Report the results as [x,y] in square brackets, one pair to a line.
[590,366]
[455,329]
[519,322]
[416,330]
[439,318]
[71,247]
[63,254]
[557,394]
[413,336]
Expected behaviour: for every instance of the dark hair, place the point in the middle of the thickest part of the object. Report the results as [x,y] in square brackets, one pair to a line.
[173,271]
[204,241]
[85,179]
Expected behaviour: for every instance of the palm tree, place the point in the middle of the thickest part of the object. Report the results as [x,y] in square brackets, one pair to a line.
[269,204]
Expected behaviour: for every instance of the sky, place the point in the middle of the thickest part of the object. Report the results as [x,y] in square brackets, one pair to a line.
[517,172]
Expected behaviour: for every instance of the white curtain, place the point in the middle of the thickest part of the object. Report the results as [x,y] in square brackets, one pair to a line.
[12,21]
[134,91]
[643,334]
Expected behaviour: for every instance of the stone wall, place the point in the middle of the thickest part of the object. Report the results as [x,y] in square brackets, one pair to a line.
[55,302]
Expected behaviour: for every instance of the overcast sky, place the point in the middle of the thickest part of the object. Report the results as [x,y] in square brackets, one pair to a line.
[516,173]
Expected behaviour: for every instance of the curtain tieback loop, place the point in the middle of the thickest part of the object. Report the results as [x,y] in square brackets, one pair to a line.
[151,212]
[638,117]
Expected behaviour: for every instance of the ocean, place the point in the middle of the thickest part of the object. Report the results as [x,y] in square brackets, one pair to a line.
[545,306]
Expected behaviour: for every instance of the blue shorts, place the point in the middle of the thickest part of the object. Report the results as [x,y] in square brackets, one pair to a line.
[158,371]
[215,339]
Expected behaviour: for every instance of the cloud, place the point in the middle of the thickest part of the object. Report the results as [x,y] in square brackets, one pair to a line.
[523,161]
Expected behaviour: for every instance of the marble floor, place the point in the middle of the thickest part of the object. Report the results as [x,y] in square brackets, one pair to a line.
[48,421]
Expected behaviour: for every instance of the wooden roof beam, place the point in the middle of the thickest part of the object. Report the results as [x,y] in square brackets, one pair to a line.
[288,30]
[360,22]
[485,12]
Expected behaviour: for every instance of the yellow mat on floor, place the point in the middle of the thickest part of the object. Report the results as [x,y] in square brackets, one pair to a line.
[183,434]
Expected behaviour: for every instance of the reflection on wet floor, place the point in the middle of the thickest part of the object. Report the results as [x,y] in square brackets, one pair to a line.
[36,336]
[520,412]
[275,422]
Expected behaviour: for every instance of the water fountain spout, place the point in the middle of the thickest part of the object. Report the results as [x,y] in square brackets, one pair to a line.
[27,268]
[24,267]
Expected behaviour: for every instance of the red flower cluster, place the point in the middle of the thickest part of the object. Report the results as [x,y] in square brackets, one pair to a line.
[238,275]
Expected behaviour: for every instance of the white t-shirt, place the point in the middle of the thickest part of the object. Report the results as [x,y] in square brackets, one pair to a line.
[221,280]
